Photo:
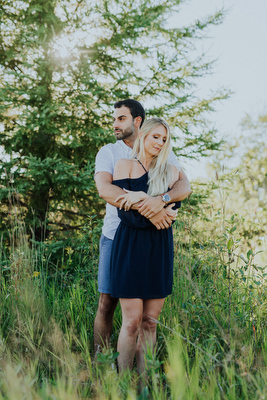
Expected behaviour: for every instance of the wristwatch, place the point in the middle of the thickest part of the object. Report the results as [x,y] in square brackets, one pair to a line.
[166,198]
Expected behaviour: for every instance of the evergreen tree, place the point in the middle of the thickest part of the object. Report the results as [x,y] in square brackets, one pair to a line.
[56,108]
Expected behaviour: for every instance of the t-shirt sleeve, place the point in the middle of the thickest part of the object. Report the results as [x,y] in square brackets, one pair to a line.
[104,161]
[173,160]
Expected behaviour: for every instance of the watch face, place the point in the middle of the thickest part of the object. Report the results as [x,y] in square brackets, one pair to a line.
[166,197]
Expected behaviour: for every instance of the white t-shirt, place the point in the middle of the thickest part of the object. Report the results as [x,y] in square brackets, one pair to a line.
[105,161]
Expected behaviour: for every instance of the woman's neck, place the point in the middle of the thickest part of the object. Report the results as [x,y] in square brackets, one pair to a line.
[146,161]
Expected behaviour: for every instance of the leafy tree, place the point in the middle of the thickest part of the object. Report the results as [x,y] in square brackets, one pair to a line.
[252,175]
[241,171]
[55,107]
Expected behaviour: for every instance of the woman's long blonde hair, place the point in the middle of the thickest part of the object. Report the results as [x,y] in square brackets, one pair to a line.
[159,174]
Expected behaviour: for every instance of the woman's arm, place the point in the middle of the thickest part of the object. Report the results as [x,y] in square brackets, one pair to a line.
[130,198]
[122,170]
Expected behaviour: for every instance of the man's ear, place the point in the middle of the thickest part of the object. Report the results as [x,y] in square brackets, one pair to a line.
[137,122]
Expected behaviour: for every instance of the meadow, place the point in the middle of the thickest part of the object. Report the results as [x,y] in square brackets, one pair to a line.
[212,341]
[63,64]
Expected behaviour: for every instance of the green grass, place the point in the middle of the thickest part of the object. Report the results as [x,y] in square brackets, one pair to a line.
[212,340]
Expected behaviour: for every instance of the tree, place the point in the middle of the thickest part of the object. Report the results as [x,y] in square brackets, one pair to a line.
[55,107]
[242,170]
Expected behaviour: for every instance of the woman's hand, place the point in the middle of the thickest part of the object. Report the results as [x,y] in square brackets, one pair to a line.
[129,198]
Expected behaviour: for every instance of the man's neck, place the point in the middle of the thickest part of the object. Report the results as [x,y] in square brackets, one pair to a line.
[130,140]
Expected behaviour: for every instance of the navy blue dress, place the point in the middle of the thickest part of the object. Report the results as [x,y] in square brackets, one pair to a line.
[142,256]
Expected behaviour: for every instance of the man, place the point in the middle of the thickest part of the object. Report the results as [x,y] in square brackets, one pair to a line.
[128,118]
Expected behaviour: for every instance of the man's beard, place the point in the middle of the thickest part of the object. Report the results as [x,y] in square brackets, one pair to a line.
[124,134]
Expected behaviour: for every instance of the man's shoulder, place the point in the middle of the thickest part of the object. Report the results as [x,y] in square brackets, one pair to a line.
[109,154]
[174,161]
[108,147]
[118,150]
[117,145]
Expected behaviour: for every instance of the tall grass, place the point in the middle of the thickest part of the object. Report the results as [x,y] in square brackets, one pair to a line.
[212,341]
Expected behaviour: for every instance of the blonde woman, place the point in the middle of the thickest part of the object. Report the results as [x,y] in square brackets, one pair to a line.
[142,256]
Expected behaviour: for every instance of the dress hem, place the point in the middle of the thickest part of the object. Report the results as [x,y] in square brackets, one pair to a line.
[141,297]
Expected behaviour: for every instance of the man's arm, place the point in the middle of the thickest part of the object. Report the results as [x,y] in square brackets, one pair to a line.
[164,218]
[106,189]
[110,192]
[180,190]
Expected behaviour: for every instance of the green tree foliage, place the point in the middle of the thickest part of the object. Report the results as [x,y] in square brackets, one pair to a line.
[252,175]
[63,63]
[241,171]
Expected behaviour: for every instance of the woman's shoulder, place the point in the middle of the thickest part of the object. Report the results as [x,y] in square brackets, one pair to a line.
[125,163]
[122,168]
[122,162]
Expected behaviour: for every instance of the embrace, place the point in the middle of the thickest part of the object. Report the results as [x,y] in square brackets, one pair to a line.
[143,184]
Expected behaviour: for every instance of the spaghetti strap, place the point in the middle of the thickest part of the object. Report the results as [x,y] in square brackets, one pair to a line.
[140,163]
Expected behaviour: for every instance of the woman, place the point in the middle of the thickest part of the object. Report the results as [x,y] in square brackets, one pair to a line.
[142,256]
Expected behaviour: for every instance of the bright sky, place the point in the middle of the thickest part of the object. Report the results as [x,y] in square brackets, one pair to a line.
[239,45]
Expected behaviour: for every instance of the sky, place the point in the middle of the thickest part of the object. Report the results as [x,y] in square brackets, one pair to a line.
[239,46]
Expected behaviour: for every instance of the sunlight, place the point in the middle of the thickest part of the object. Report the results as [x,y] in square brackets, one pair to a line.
[65,47]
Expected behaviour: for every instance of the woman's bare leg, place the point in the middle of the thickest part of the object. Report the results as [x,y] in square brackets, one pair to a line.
[148,332]
[132,312]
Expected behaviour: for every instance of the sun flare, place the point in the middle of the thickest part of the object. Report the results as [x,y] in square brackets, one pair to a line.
[65,47]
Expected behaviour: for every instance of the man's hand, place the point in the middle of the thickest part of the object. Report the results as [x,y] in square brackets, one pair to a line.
[179,191]
[151,206]
[170,212]
[164,218]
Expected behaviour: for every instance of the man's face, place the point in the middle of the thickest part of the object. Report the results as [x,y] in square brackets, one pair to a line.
[123,123]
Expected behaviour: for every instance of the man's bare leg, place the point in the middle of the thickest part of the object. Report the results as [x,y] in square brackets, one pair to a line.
[103,320]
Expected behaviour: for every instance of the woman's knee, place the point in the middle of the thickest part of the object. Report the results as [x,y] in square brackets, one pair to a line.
[132,312]
[148,324]
[132,325]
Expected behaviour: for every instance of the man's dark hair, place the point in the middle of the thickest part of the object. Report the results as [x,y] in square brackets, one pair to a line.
[136,108]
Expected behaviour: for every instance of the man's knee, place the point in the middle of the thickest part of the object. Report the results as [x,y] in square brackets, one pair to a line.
[107,305]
